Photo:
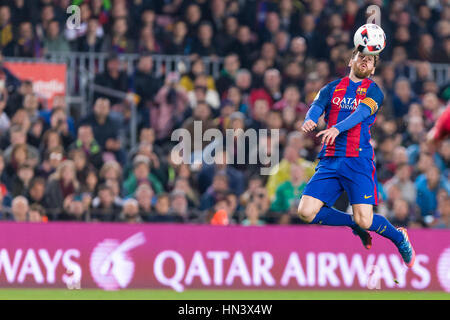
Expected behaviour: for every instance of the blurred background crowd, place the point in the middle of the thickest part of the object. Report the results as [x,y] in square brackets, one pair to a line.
[276,56]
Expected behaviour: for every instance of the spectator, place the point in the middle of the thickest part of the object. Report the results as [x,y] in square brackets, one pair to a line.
[183,185]
[220,213]
[403,97]
[74,210]
[297,51]
[54,40]
[22,180]
[271,27]
[234,176]
[27,44]
[111,170]
[118,41]
[20,209]
[427,186]
[130,212]
[201,116]
[201,92]
[61,184]
[254,184]
[288,16]
[105,129]
[414,132]
[402,179]
[63,125]
[36,192]
[259,111]
[141,174]
[178,42]
[52,159]
[204,44]
[290,191]
[18,137]
[162,210]
[228,74]
[443,220]
[37,214]
[4,177]
[148,42]
[82,165]
[243,46]
[112,78]
[252,213]
[226,38]
[91,41]
[5,122]
[171,102]
[6,30]
[90,184]
[105,209]
[86,142]
[146,85]
[282,171]
[144,195]
[216,191]
[179,206]
[401,215]
[193,15]
[291,99]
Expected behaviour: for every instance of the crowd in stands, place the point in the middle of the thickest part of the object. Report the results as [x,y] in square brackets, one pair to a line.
[276,57]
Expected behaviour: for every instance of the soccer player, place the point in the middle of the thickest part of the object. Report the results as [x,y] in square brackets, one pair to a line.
[346,162]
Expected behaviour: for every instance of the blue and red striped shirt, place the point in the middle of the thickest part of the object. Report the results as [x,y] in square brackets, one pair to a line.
[338,100]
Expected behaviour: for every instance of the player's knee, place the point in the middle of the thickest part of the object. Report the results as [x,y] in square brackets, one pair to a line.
[306,213]
[364,221]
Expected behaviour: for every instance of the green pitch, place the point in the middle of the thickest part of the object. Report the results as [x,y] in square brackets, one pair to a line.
[89,294]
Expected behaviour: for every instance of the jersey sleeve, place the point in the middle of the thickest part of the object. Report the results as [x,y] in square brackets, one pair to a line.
[374,98]
[356,117]
[443,125]
[319,104]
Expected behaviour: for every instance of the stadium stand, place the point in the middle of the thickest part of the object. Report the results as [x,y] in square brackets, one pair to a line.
[142,69]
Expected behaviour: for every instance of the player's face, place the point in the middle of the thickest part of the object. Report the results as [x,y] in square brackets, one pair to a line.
[363,65]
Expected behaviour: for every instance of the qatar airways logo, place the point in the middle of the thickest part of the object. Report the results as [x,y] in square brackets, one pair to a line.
[111,266]
[346,103]
[311,269]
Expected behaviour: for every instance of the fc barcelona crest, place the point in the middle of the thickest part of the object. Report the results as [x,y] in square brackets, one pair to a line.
[361,91]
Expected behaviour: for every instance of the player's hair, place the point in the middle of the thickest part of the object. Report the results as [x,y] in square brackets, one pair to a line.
[377,57]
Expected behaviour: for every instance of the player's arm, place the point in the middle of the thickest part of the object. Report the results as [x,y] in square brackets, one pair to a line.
[316,110]
[367,107]
[442,127]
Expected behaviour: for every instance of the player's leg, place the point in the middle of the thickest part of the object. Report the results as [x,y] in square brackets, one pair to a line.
[320,194]
[364,217]
[308,208]
[359,180]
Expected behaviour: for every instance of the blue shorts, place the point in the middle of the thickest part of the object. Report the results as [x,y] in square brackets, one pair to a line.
[357,176]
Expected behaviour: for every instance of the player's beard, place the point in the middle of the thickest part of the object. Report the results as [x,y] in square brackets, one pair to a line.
[360,73]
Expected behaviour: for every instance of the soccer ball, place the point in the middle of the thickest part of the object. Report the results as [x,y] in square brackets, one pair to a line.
[369,39]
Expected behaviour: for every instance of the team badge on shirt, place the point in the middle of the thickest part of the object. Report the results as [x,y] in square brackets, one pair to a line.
[361,91]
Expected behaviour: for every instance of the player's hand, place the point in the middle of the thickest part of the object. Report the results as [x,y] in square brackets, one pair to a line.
[309,126]
[328,135]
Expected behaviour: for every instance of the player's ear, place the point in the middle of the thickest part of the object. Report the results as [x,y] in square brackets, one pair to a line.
[350,63]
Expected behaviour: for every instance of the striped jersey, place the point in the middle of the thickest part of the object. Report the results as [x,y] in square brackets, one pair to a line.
[338,100]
